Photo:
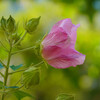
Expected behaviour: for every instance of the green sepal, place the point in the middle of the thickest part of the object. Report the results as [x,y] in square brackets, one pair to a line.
[3,23]
[11,26]
[32,24]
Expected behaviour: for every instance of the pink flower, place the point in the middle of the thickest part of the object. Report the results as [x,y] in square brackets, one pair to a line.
[58,47]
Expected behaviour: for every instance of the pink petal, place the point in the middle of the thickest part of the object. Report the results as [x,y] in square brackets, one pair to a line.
[73,35]
[51,52]
[55,38]
[72,58]
[66,24]
[69,29]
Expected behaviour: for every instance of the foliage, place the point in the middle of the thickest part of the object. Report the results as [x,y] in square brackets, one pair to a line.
[21,94]
[82,80]
[31,77]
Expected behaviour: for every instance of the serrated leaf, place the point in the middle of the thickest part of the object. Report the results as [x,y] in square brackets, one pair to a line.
[65,97]
[12,87]
[21,94]
[31,77]
[13,67]
[1,66]
[1,84]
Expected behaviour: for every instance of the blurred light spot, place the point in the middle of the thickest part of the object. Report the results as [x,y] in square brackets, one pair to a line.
[85,82]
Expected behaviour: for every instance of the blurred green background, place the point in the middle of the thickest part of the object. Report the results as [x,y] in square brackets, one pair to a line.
[83,81]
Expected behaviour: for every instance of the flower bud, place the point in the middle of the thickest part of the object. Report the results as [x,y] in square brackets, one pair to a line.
[3,23]
[32,24]
[11,25]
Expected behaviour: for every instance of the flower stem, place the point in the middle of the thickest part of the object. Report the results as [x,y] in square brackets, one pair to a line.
[2,63]
[26,68]
[23,50]
[7,69]
[20,39]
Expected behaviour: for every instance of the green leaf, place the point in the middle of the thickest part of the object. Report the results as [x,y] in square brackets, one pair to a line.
[31,77]
[13,67]
[21,94]
[1,66]
[1,84]
[12,87]
[65,97]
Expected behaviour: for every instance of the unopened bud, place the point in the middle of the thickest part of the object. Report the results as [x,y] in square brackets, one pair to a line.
[11,27]
[3,23]
[32,24]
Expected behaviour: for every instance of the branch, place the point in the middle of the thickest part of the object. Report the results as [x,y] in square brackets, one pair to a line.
[23,50]
[26,68]
[1,74]
[3,64]
[20,39]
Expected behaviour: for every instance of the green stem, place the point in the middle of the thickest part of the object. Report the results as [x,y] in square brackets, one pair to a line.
[26,68]
[20,39]
[1,74]
[23,50]
[2,63]
[7,69]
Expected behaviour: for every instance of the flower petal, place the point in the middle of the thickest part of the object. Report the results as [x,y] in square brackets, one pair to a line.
[73,35]
[55,38]
[72,58]
[66,24]
[51,52]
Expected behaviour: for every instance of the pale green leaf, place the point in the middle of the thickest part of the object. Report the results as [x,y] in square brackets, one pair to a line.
[31,77]
[21,94]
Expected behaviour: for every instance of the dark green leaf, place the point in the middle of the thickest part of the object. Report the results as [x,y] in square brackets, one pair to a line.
[21,94]
[1,66]
[31,77]
[65,97]
[13,67]
[13,87]
[1,84]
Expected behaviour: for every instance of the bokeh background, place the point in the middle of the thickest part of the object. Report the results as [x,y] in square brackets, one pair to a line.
[83,81]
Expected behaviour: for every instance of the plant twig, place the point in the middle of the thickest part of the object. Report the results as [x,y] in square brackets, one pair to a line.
[26,68]
[18,81]
[23,50]
[2,63]
[1,74]
[20,39]
[6,71]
